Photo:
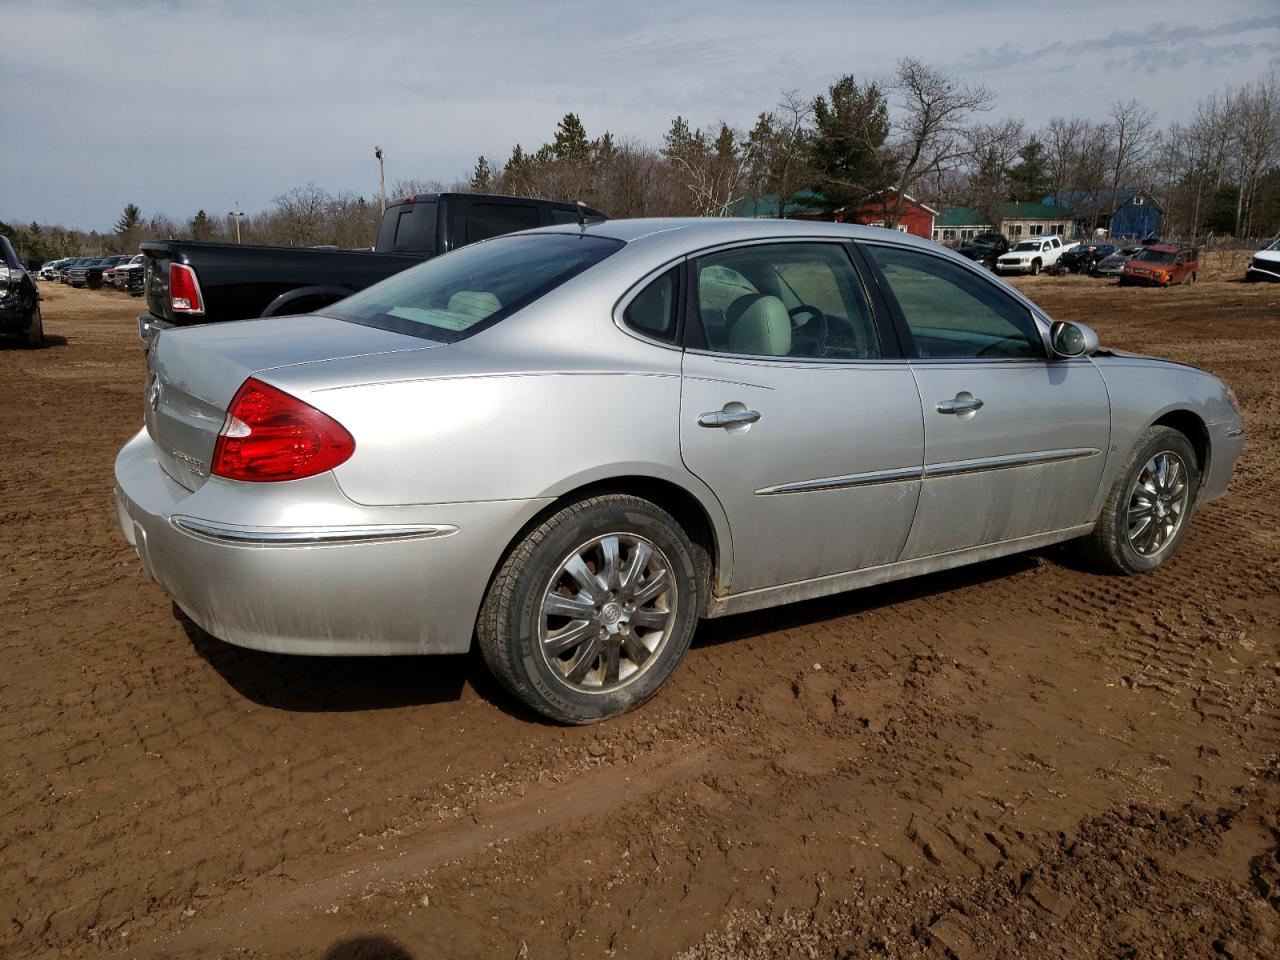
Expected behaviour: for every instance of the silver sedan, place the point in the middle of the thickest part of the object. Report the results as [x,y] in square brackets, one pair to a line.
[569,445]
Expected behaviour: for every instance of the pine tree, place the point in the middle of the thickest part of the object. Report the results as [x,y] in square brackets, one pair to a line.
[201,226]
[129,221]
[571,141]
[482,176]
[851,124]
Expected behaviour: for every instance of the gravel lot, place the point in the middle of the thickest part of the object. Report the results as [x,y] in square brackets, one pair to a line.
[1018,759]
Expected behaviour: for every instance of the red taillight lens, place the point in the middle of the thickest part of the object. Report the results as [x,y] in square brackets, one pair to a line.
[184,291]
[269,435]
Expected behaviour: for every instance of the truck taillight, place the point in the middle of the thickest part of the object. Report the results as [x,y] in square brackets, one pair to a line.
[269,435]
[184,289]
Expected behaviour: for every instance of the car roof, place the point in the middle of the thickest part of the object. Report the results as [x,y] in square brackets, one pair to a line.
[693,232]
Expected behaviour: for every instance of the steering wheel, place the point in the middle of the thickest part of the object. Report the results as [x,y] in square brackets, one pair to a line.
[824,330]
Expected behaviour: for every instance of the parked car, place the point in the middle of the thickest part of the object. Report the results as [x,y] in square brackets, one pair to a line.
[1112,265]
[78,275]
[571,444]
[985,248]
[128,275]
[1265,264]
[1161,265]
[209,282]
[19,300]
[1030,256]
[1082,258]
[109,268]
[49,271]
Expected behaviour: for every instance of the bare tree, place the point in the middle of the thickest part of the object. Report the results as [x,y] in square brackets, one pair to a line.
[1257,142]
[992,150]
[933,109]
[1134,137]
[711,173]
[779,147]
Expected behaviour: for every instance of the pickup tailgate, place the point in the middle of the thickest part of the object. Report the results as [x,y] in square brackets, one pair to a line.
[194,373]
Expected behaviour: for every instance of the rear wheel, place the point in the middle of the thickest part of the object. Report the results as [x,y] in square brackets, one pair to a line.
[593,610]
[1191,278]
[1149,506]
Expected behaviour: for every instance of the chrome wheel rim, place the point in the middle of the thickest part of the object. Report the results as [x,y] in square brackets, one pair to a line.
[607,612]
[1157,503]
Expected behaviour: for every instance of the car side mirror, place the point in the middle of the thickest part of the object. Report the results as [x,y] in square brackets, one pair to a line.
[1072,339]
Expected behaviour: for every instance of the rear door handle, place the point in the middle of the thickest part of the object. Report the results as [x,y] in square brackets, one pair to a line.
[728,418]
[961,404]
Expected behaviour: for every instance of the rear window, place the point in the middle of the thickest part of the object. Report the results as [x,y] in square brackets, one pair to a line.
[460,293]
[485,220]
[409,228]
[1155,256]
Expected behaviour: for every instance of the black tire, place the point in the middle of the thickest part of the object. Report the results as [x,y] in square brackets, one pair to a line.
[1035,267]
[35,332]
[1191,278]
[508,628]
[1108,546]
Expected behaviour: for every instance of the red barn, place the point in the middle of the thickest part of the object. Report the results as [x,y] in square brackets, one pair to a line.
[877,211]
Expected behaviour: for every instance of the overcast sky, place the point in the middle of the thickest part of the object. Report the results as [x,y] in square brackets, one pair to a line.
[178,105]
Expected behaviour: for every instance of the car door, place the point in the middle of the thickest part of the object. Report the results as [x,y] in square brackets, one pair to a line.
[798,411]
[1015,441]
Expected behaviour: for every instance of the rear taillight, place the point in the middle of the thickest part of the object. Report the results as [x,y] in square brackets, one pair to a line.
[184,290]
[269,435]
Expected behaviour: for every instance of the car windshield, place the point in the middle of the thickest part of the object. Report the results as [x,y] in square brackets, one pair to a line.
[457,294]
[1155,256]
[1028,245]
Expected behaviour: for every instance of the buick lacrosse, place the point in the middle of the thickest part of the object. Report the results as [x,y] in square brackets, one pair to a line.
[569,445]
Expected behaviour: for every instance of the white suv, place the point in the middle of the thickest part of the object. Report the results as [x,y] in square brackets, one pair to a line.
[1030,256]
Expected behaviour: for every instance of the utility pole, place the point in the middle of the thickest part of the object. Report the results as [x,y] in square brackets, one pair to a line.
[237,216]
[382,179]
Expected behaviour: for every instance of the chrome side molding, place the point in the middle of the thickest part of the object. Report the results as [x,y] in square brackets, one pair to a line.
[954,468]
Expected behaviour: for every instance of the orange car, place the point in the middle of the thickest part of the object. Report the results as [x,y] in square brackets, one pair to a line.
[1161,265]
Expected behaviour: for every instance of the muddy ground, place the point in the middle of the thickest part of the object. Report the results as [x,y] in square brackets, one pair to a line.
[1018,759]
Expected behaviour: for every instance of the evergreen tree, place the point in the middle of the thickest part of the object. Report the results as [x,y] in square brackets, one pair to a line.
[201,226]
[129,221]
[851,126]
[1029,180]
[571,141]
[482,176]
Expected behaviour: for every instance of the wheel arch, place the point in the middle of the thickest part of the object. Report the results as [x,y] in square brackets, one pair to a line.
[326,294]
[704,523]
[1190,425]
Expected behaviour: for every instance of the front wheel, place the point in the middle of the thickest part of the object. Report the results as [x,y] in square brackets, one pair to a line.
[35,332]
[1149,506]
[1035,267]
[592,610]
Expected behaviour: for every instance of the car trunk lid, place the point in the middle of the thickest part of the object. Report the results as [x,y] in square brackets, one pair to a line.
[194,373]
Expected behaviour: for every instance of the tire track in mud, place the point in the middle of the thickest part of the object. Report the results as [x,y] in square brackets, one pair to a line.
[951,729]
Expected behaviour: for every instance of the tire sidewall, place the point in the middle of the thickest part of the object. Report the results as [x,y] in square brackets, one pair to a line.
[524,612]
[1165,439]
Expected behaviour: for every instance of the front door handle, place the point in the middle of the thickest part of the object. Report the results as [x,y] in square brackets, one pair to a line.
[728,418]
[963,403]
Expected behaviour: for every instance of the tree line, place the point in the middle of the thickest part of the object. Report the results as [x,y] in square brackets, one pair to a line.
[920,132]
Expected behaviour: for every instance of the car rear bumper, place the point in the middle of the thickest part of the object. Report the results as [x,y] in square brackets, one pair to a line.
[339,579]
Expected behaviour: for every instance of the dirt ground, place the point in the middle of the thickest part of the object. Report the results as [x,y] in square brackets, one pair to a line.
[1018,759]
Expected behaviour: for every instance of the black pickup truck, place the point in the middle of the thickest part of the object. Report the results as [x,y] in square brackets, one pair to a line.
[188,283]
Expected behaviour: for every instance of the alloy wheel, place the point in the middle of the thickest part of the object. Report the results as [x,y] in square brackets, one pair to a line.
[606,612]
[1157,503]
